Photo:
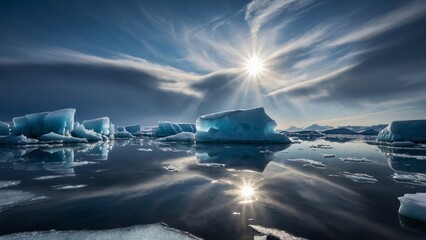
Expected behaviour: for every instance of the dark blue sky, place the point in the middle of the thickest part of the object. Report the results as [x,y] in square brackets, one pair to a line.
[333,62]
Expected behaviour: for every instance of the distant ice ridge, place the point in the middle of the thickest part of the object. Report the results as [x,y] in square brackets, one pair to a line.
[248,125]
[398,131]
[4,129]
[413,206]
[153,231]
[165,128]
[37,124]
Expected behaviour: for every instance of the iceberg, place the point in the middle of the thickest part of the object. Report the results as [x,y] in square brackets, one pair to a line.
[308,162]
[180,137]
[134,129]
[64,139]
[37,124]
[80,131]
[165,129]
[188,127]
[99,125]
[249,125]
[399,131]
[413,206]
[153,231]
[4,128]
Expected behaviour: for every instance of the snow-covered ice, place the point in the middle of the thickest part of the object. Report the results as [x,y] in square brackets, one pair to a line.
[13,198]
[249,125]
[275,233]
[321,146]
[357,177]
[99,125]
[354,159]
[36,124]
[80,131]
[4,129]
[57,137]
[398,131]
[413,206]
[152,231]
[180,137]
[308,162]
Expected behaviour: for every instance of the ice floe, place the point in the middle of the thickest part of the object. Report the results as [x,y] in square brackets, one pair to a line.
[283,235]
[62,138]
[171,168]
[357,177]
[152,231]
[413,206]
[145,149]
[52,177]
[415,179]
[403,144]
[308,162]
[249,125]
[321,146]
[354,159]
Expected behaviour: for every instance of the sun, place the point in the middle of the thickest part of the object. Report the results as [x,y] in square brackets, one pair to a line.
[254,66]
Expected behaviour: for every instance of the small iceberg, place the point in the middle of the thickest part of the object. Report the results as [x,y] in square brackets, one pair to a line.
[4,129]
[328,155]
[69,187]
[413,206]
[165,128]
[399,131]
[249,125]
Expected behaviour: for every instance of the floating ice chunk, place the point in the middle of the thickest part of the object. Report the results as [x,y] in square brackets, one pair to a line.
[180,137]
[134,129]
[171,168]
[354,159]
[17,140]
[417,179]
[321,146]
[413,206]
[81,132]
[99,125]
[123,135]
[4,129]
[413,130]
[69,187]
[57,137]
[358,177]
[236,213]
[165,129]
[12,198]
[36,124]
[5,184]
[308,162]
[275,233]
[328,155]
[52,177]
[152,231]
[403,144]
[145,149]
[249,125]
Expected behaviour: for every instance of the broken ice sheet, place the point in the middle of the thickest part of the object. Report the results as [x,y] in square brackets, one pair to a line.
[354,159]
[308,162]
[357,177]
[13,198]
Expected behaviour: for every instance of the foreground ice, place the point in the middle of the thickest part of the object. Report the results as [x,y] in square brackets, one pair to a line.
[308,162]
[152,231]
[69,187]
[4,128]
[358,177]
[180,137]
[403,144]
[249,125]
[397,131]
[275,233]
[13,198]
[99,125]
[413,206]
[64,139]
[36,124]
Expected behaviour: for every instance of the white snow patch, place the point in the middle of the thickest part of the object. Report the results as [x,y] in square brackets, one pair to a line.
[145,149]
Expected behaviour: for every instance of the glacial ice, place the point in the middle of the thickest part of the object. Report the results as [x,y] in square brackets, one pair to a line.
[188,127]
[249,125]
[134,129]
[80,131]
[413,206]
[4,129]
[99,125]
[153,231]
[397,131]
[37,124]
[180,137]
[17,140]
[13,198]
[64,139]
[165,129]
[123,135]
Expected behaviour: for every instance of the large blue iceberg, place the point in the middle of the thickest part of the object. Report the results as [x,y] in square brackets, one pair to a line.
[99,125]
[37,124]
[397,131]
[249,125]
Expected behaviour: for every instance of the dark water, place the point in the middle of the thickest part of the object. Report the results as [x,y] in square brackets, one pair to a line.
[213,191]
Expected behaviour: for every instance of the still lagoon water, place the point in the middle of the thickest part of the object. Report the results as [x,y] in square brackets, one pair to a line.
[328,188]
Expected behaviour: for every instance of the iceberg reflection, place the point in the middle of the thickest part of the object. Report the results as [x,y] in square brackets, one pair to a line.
[405,159]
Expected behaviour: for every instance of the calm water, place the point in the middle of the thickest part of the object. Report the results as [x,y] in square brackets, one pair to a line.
[213,191]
